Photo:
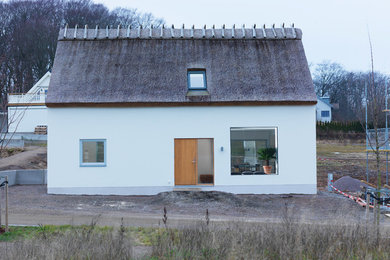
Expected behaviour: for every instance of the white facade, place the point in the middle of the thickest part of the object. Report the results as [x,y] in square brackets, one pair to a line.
[26,118]
[140,148]
[323,111]
[26,111]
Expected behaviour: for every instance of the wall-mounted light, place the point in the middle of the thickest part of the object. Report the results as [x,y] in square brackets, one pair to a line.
[221,148]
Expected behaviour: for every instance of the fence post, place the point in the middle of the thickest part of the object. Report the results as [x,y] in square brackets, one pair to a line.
[367,205]
[375,213]
[330,180]
[6,204]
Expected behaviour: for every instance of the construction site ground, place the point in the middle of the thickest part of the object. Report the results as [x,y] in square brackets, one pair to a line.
[31,205]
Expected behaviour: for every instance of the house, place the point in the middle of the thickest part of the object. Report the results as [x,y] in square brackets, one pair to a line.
[143,111]
[27,111]
[324,109]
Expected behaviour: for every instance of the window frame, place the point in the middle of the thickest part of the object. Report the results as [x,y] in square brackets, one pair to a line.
[276,129]
[196,71]
[327,113]
[93,164]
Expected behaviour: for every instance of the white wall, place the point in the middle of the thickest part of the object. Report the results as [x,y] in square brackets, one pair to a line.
[25,119]
[322,106]
[140,148]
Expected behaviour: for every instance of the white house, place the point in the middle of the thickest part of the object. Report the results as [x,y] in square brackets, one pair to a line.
[26,111]
[142,111]
[324,109]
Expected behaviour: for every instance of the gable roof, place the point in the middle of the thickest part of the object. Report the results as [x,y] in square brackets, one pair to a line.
[325,100]
[142,67]
[42,83]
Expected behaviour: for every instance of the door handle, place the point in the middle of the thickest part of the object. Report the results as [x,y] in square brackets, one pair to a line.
[193,161]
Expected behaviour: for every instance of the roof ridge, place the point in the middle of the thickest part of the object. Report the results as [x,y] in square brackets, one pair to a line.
[163,32]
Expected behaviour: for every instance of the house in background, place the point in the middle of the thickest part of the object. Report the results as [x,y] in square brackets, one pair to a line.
[323,109]
[27,111]
[143,111]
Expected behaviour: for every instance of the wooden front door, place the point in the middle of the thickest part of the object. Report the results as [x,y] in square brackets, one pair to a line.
[186,161]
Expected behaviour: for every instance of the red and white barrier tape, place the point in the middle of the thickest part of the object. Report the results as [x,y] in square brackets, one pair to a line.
[358,200]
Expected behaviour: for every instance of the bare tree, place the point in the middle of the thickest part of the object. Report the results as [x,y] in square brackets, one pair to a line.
[29,31]
[28,37]
[327,77]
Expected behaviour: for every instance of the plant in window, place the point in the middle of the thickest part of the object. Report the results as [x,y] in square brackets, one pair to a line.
[266,154]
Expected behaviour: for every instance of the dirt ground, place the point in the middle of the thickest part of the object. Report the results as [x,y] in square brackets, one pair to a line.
[33,157]
[31,205]
[346,159]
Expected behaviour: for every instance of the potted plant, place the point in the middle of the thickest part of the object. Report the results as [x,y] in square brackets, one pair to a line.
[266,154]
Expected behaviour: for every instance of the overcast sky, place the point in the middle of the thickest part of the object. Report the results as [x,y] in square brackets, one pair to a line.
[335,30]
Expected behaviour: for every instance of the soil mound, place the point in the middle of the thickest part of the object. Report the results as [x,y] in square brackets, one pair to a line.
[348,183]
[194,197]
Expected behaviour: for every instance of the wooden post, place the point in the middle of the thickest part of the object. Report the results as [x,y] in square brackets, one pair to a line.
[0,203]
[367,205]
[375,213]
[6,204]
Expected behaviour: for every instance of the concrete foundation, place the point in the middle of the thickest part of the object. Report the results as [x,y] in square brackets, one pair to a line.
[23,177]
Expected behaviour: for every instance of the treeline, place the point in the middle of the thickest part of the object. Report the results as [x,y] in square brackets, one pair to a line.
[29,32]
[346,90]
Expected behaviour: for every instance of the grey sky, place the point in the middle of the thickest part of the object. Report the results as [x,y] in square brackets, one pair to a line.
[335,30]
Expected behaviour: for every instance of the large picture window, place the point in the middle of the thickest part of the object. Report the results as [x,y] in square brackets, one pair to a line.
[253,151]
[93,152]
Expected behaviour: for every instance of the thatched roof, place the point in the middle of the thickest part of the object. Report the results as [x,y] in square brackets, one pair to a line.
[144,67]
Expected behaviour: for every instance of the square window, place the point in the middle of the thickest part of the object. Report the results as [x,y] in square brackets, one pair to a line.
[196,79]
[253,151]
[325,113]
[93,152]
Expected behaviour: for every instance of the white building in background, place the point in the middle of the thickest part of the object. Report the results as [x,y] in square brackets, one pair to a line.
[27,111]
[142,111]
[323,109]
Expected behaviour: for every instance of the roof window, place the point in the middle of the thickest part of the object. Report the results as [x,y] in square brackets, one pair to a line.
[196,79]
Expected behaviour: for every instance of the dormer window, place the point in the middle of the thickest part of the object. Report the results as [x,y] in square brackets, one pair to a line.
[196,80]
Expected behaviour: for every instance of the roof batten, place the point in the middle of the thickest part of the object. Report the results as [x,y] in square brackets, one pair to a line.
[283,31]
[96,31]
[128,31]
[264,33]
[273,31]
[141,32]
[85,31]
[293,30]
[65,30]
[172,32]
[162,31]
[75,32]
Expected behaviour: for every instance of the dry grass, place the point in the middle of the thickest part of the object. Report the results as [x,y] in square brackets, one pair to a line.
[289,240]
[75,243]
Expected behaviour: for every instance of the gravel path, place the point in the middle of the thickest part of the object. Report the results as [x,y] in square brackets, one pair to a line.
[29,204]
